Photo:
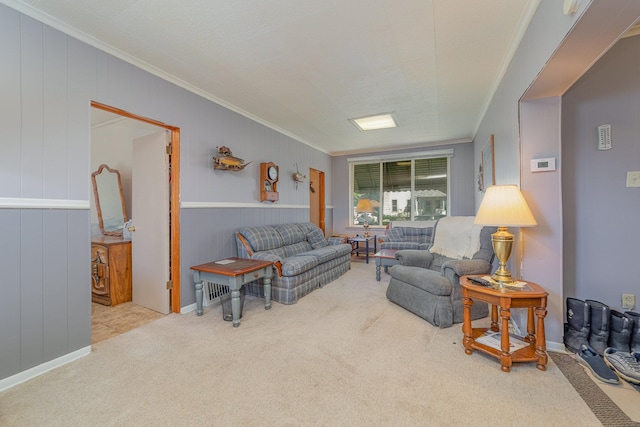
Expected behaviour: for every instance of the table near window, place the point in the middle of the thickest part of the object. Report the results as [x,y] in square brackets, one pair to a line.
[355,242]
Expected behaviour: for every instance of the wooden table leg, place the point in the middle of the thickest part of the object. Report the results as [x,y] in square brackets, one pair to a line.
[199,293]
[531,330]
[235,307]
[494,318]
[267,288]
[541,339]
[466,324]
[505,354]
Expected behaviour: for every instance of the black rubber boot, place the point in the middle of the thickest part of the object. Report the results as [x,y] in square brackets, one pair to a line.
[599,335]
[576,330]
[635,331]
[620,332]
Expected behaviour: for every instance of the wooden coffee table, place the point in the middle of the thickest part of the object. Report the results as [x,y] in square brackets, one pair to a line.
[233,272]
[385,258]
[532,297]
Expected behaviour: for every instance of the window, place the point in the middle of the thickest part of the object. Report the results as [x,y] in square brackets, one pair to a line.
[400,189]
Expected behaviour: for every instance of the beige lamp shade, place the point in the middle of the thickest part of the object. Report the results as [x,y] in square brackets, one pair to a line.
[504,205]
[364,206]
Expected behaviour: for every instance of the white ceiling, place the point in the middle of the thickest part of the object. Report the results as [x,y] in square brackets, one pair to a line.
[305,67]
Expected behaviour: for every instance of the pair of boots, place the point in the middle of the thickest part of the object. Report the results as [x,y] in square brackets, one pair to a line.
[595,324]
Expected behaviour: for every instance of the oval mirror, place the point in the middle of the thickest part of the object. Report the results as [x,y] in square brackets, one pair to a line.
[107,190]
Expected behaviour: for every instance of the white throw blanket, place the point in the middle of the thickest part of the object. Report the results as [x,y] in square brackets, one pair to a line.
[457,237]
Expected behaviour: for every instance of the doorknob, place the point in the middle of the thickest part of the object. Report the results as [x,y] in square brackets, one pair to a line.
[132,228]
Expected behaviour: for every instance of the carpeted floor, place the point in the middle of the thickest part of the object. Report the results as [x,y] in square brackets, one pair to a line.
[342,356]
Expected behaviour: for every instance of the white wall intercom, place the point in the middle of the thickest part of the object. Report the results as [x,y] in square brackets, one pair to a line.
[604,137]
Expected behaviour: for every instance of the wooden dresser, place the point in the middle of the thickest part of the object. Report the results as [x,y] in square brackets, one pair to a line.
[110,270]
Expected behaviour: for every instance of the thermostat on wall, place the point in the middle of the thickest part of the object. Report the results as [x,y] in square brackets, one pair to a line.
[543,165]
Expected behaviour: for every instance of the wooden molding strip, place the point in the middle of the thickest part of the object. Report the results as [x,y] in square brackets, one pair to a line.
[205,205]
[23,203]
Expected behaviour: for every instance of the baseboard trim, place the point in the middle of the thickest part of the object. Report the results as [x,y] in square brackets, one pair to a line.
[557,347]
[36,371]
[188,308]
[192,307]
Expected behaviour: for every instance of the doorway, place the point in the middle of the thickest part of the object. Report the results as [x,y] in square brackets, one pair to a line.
[316,198]
[126,128]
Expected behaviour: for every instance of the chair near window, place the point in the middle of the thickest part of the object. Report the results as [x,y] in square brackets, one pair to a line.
[427,282]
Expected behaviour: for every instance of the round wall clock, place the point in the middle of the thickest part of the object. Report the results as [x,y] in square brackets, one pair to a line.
[268,182]
[273,173]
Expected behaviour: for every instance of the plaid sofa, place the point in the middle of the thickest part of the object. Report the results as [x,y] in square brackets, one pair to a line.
[410,235]
[303,257]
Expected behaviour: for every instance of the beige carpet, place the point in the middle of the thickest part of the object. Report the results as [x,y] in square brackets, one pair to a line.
[342,355]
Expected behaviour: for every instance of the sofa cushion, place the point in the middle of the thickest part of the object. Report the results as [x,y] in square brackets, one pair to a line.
[262,238]
[291,233]
[395,235]
[328,253]
[410,234]
[316,238]
[295,265]
[297,248]
[401,245]
[418,235]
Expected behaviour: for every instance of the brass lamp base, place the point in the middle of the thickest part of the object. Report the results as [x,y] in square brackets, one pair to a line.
[502,242]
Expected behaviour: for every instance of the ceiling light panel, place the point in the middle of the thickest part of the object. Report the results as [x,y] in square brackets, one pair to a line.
[378,121]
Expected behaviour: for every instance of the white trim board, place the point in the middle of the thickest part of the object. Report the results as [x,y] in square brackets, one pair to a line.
[431,154]
[206,205]
[43,368]
[23,203]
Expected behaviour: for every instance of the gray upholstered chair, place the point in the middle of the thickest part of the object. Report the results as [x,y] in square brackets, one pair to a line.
[427,282]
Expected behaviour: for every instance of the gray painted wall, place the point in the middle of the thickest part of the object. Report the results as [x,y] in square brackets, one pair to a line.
[534,131]
[600,212]
[47,81]
[541,261]
[462,185]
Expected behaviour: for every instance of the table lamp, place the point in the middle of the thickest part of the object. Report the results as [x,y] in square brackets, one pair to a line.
[504,206]
[365,207]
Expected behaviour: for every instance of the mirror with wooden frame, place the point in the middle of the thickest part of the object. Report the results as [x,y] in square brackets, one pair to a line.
[107,190]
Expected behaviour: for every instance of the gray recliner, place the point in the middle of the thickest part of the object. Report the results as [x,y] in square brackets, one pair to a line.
[428,283]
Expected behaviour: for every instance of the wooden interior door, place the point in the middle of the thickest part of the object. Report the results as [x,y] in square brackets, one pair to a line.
[316,198]
[150,216]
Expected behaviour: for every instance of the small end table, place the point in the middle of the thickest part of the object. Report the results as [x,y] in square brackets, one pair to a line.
[357,240]
[385,258]
[532,297]
[233,272]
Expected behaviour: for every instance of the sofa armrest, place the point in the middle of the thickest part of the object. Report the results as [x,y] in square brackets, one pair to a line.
[264,256]
[414,258]
[464,267]
[334,240]
[244,245]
